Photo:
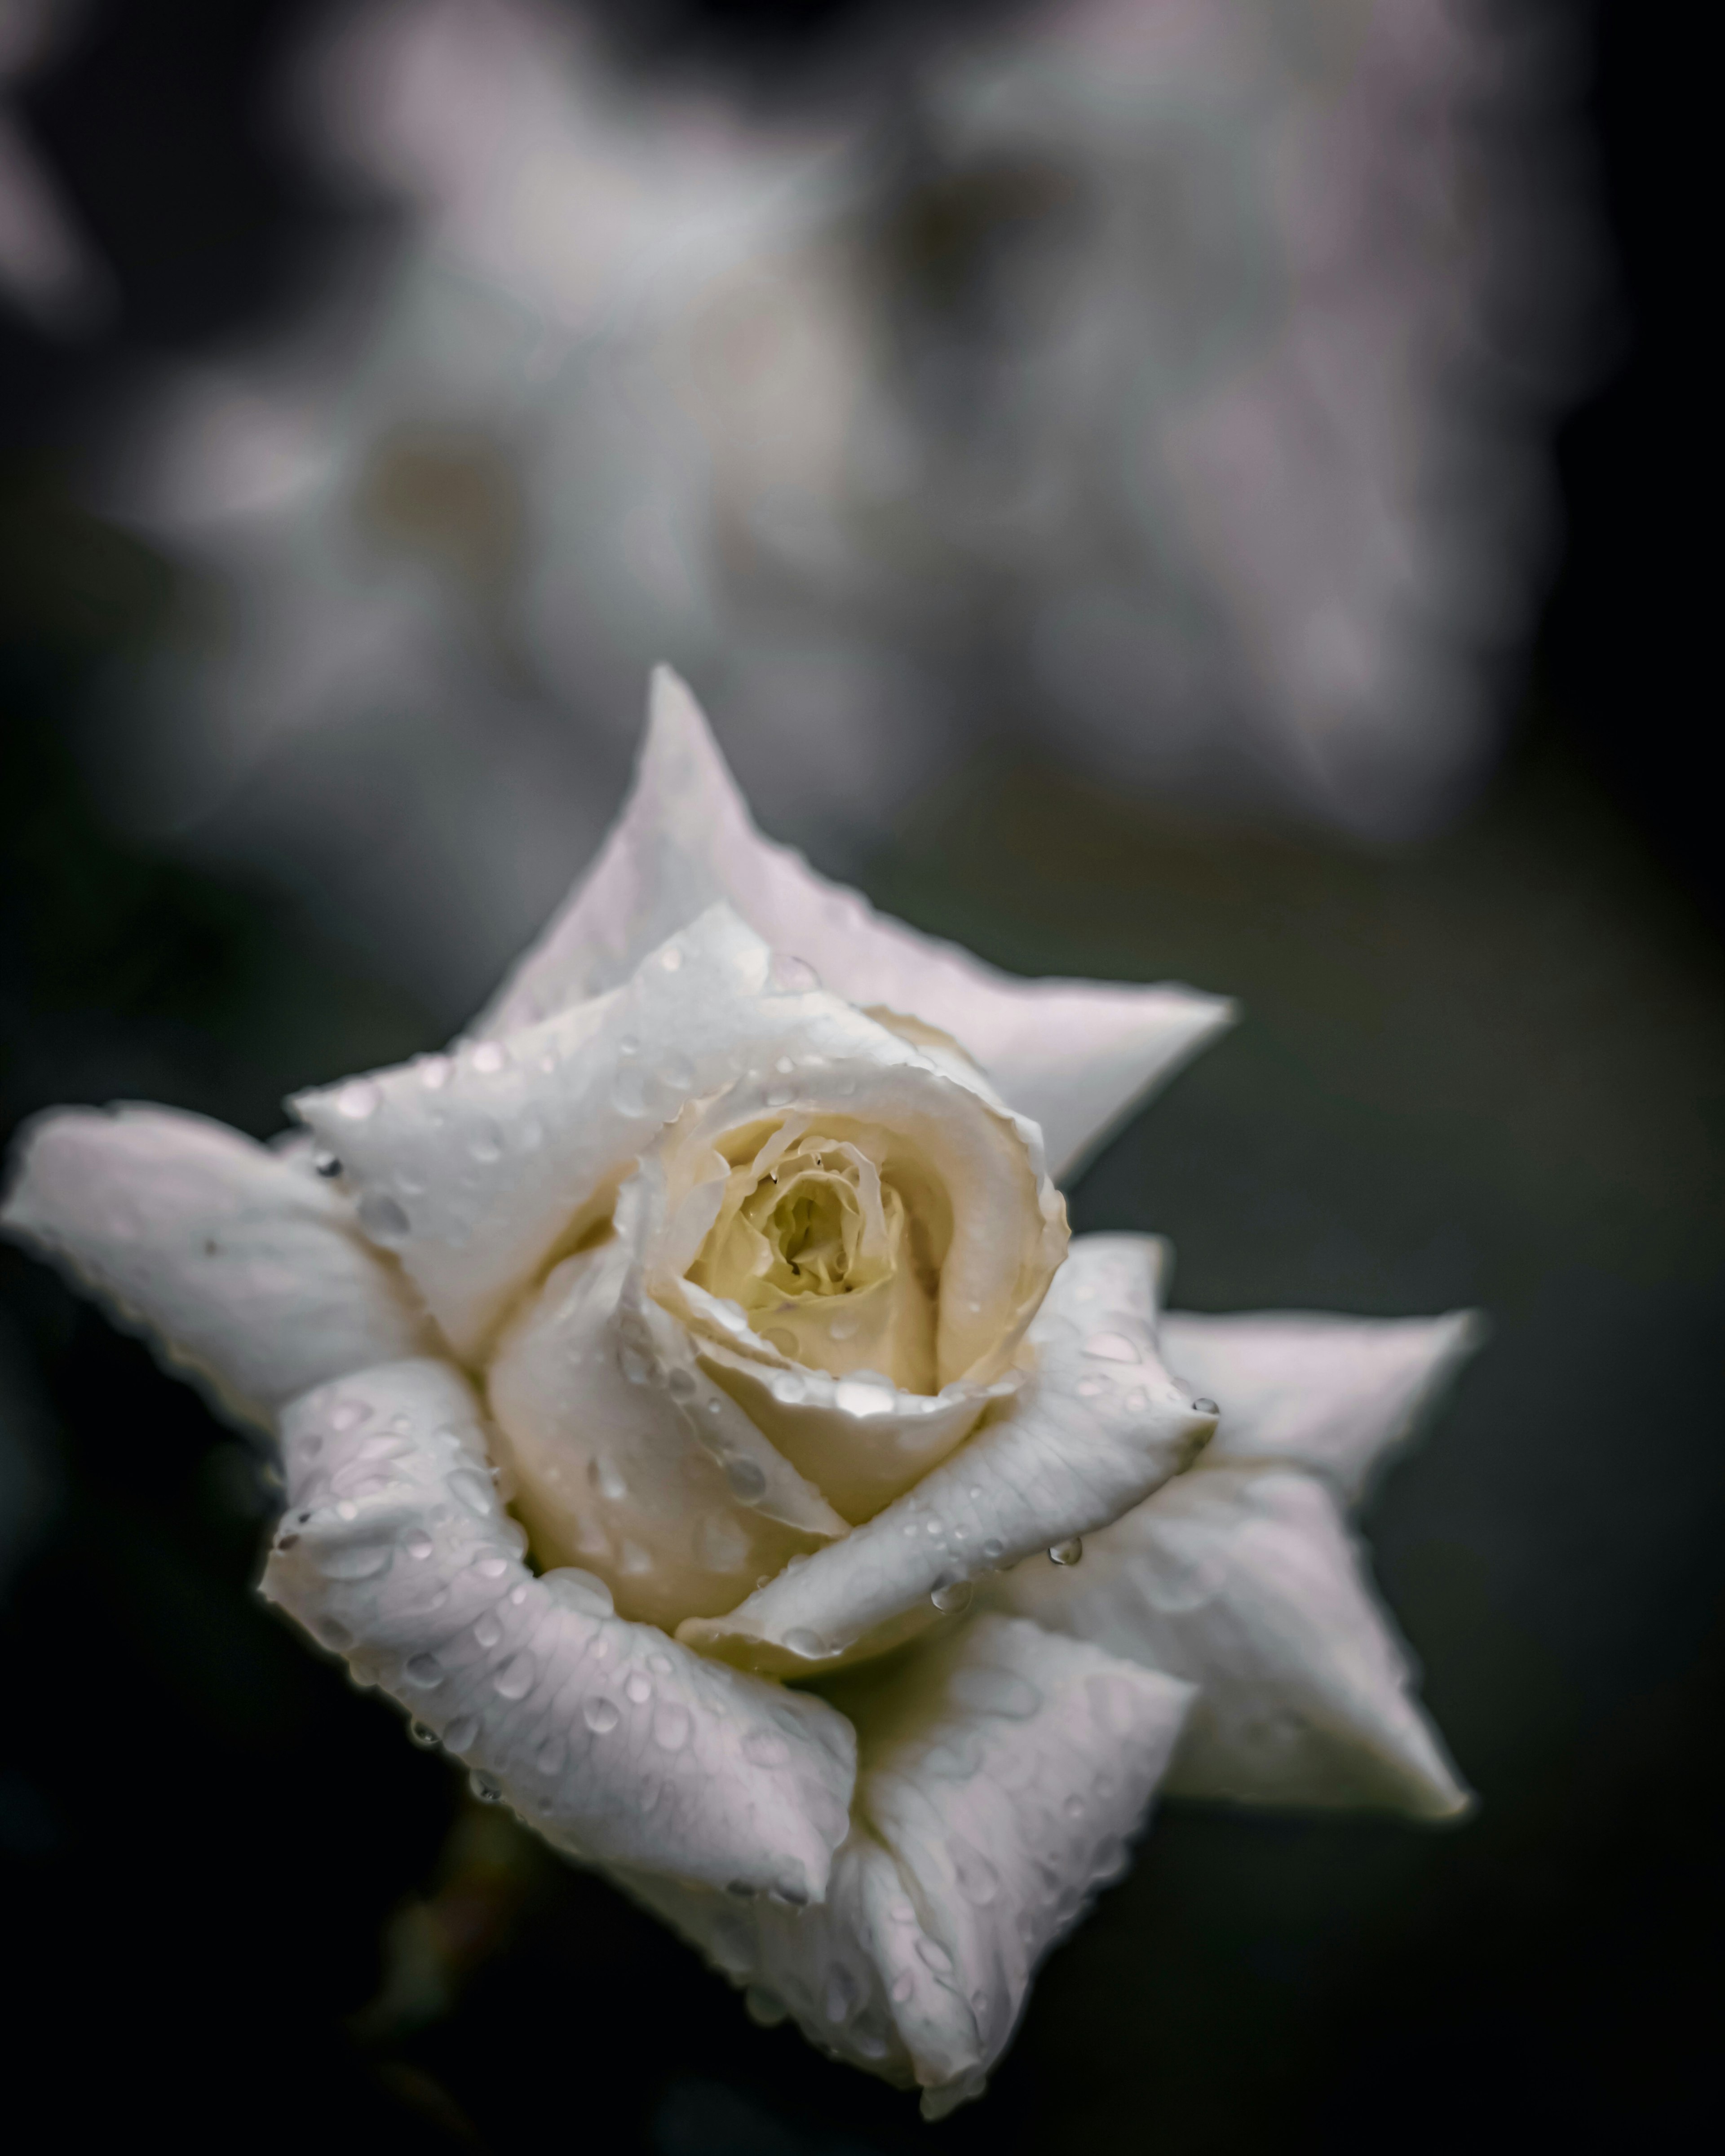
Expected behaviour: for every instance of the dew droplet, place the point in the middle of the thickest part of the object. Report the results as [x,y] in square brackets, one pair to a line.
[425,1671]
[550,1756]
[637,1689]
[434,1073]
[671,958]
[515,1679]
[1088,1387]
[600,1715]
[462,1733]
[356,1560]
[474,1489]
[842,1997]
[994,1550]
[745,1479]
[628,1092]
[1067,1552]
[491,1567]
[978,1882]
[807,1643]
[671,1728]
[382,1218]
[348,1414]
[602,1472]
[490,1056]
[487,1631]
[765,2008]
[952,1593]
[794,976]
[418,1544]
[357,1099]
[422,1735]
[677,1072]
[903,1985]
[485,1788]
[1205,1407]
[583,1592]
[326,1163]
[995,1692]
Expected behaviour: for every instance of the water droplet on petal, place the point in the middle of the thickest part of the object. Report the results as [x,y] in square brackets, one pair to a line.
[677,1072]
[671,958]
[628,1092]
[462,1733]
[978,1882]
[903,1985]
[602,1474]
[671,1728]
[766,2008]
[951,1595]
[637,1689]
[994,1549]
[490,1055]
[487,1631]
[1112,1347]
[485,1788]
[326,1163]
[434,1073]
[745,1479]
[357,1099]
[348,1414]
[418,1544]
[474,1490]
[421,1735]
[600,1715]
[794,976]
[425,1671]
[841,1999]
[355,1560]
[381,1217]
[807,1643]
[583,1592]
[1205,1407]
[485,1143]
[1067,1552]
[515,1679]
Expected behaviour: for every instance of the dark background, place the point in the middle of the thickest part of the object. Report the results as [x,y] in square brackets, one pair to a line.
[242,1909]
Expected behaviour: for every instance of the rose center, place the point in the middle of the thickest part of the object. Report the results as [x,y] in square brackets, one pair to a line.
[812,1231]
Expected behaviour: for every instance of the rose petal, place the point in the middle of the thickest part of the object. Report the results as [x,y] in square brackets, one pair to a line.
[1002,1772]
[1248,1582]
[1077,1057]
[1099,1425]
[243,1263]
[1335,1395]
[628,1461]
[496,1161]
[606,1737]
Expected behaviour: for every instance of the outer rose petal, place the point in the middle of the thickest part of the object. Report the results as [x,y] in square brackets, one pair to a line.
[1076,1056]
[1097,1427]
[1335,1395]
[610,1740]
[481,1170]
[243,1263]
[1002,1772]
[1248,1582]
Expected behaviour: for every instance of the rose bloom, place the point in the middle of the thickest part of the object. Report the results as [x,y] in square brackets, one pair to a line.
[683,1384]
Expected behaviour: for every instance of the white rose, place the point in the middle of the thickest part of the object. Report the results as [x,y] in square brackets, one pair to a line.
[706,1318]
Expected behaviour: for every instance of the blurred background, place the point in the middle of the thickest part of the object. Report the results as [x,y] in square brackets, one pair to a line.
[1203,489]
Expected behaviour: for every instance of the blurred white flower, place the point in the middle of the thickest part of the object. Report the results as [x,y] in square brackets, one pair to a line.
[704,1319]
[1159,385]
